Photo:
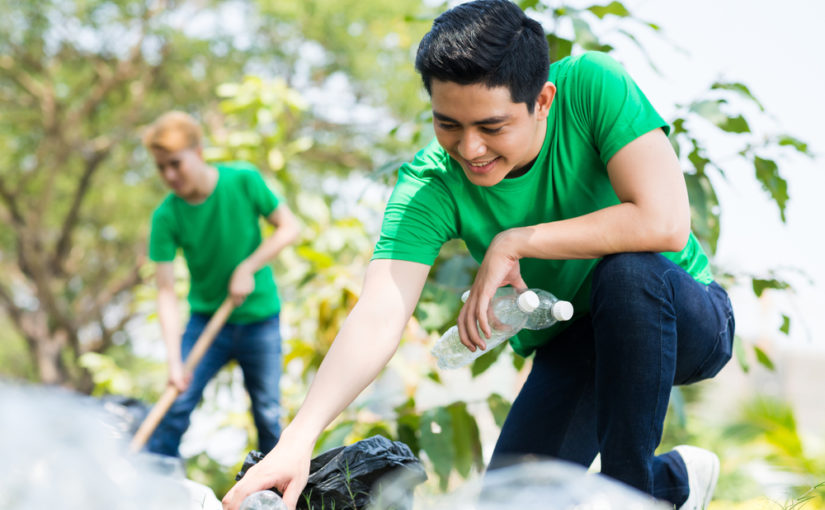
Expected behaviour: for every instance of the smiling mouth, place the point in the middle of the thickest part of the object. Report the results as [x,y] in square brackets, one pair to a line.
[482,167]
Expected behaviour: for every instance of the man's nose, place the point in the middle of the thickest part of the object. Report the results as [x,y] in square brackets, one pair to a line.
[471,146]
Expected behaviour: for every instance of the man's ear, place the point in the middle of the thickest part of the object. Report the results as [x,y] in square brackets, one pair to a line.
[545,100]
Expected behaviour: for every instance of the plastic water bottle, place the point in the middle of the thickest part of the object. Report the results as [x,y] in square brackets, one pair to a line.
[550,310]
[263,500]
[506,315]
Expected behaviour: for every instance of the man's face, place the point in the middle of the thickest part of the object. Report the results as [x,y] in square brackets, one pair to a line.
[485,131]
[180,170]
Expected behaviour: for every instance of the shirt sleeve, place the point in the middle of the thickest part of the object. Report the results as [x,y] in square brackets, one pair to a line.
[162,244]
[420,215]
[615,108]
[263,198]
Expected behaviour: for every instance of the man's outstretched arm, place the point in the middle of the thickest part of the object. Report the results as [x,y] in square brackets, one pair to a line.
[366,342]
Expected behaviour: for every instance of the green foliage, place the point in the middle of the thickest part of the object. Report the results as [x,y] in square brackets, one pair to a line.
[450,438]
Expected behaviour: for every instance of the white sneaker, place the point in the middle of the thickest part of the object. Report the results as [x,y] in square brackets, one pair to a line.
[703,471]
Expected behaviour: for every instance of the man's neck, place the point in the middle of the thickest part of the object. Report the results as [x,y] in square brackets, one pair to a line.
[518,172]
[205,185]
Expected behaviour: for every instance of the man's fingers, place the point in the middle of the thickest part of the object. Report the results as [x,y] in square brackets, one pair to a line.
[291,495]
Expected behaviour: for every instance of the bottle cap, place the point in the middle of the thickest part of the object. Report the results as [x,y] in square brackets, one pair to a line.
[528,301]
[562,310]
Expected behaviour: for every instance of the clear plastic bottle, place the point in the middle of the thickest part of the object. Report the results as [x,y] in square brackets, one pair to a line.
[550,310]
[263,500]
[506,315]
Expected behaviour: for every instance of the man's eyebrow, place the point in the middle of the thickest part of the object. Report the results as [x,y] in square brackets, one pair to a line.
[498,119]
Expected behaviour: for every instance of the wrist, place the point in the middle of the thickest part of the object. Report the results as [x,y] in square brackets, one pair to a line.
[299,436]
[511,243]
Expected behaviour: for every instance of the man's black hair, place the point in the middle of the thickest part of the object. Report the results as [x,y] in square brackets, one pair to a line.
[491,42]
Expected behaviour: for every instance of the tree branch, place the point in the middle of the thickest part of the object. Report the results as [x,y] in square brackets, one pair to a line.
[13,207]
[93,160]
[87,311]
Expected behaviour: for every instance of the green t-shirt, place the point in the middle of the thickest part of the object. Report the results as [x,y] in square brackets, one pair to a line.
[216,235]
[597,110]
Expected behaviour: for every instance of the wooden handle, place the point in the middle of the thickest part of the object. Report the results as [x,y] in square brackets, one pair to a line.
[166,400]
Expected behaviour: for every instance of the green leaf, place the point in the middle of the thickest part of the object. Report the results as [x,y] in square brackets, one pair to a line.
[499,407]
[786,324]
[711,110]
[466,440]
[698,161]
[799,145]
[704,210]
[559,48]
[760,285]
[736,124]
[436,432]
[740,88]
[518,361]
[614,8]
[741,356]
[335,437]
[527,4]
[487,359]
[763,358]
[767,173]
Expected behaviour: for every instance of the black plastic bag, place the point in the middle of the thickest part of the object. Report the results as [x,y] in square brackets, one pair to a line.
[343,478]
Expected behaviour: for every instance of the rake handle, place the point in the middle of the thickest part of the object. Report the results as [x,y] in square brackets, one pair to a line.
[166,400]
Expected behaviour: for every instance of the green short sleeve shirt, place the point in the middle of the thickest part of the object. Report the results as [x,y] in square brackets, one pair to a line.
[597,110]
[215,236]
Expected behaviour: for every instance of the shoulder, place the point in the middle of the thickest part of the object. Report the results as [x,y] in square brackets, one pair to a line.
[165,208]
[238,170]
[428,164]
[587,66]
[163,217]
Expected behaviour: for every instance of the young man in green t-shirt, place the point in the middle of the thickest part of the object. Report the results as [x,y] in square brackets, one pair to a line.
[566,183]
[213,214]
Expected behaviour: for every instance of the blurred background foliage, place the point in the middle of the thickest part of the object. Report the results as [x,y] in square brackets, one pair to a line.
[321,95]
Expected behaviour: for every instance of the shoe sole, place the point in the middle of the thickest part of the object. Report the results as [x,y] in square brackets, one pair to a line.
[712,485]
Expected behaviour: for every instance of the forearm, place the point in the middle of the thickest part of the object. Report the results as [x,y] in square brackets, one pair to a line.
[620,228]
[366,342]
[269,248]
[359,353]
[169,322]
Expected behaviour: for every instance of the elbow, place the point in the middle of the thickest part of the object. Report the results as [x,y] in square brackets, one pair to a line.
[673,235]
[293,234]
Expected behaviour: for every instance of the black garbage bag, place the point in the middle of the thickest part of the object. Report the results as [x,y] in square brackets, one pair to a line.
[344,478]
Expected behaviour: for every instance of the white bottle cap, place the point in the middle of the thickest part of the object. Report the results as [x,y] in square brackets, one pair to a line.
[562,310]
[528,301]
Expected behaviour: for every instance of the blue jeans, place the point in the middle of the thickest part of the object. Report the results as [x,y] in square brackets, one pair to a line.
[257,348]
[603,384]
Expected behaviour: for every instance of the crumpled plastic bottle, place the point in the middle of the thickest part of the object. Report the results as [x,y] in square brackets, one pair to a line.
[263,500]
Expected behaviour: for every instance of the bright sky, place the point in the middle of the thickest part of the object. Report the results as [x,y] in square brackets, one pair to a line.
[774,48]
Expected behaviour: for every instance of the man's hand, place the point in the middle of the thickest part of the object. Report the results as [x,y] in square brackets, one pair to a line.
[500,267]
[286,468]
[241,284]
[177,377]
